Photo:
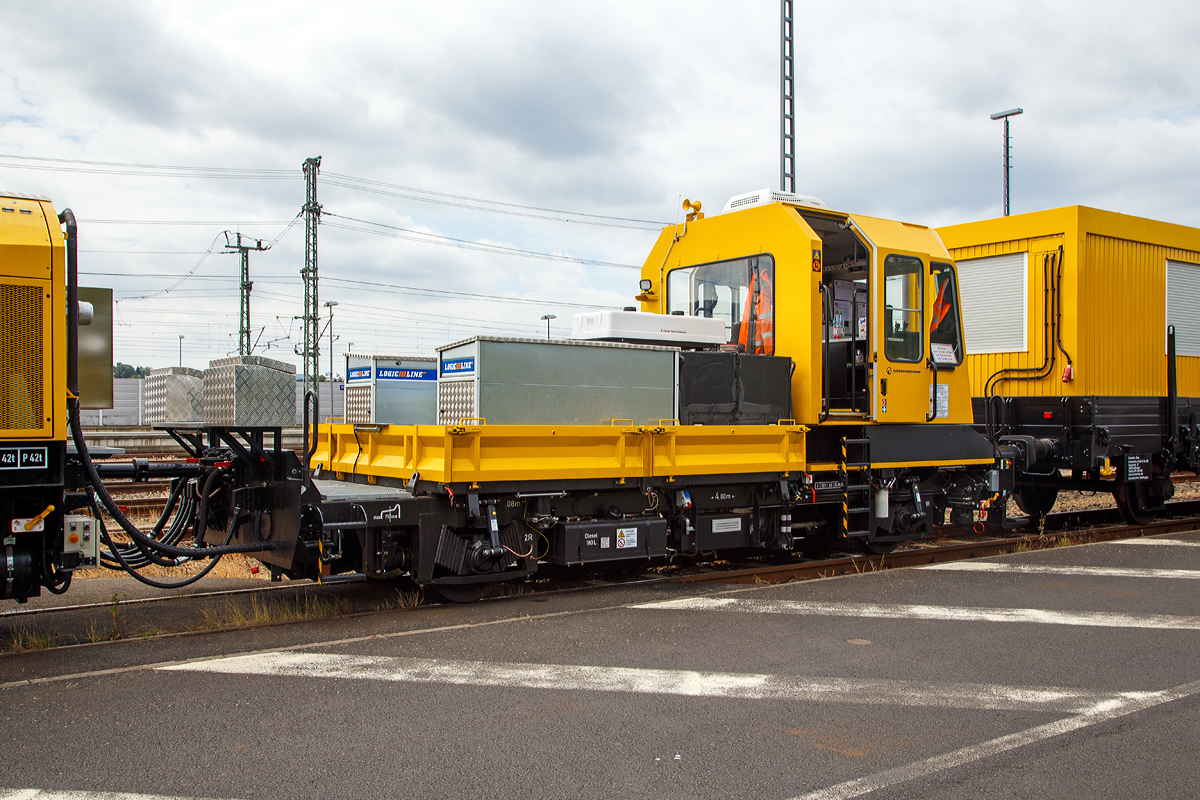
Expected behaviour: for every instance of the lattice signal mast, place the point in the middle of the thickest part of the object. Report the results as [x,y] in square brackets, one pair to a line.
[787,109]
[312,320]
[246,285]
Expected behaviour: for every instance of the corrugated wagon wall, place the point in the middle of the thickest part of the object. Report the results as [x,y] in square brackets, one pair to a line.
[1123,318]
[982,365]
[1113,320]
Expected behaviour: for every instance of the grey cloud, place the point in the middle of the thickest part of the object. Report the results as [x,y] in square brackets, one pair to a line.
[119,53]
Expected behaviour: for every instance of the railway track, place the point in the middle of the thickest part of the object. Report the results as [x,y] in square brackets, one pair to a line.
[1076,527]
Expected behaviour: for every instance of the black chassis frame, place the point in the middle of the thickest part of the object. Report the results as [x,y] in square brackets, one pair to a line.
[25,493]
[269,497]
[1088,429]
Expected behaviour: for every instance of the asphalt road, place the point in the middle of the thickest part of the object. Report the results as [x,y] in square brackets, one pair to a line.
[1064,673]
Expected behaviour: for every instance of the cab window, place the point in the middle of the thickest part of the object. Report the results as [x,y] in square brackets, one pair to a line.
[740,293]
[945,336]
[903,309]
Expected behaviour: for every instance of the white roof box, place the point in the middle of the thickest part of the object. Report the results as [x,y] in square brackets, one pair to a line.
[764,197]
[637,327]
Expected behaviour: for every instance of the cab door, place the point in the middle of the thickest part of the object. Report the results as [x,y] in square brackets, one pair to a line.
[903,377]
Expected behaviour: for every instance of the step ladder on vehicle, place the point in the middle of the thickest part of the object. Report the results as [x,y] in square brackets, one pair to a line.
[855,472]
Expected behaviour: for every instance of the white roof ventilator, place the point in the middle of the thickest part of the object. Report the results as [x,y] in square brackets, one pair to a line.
[763,197]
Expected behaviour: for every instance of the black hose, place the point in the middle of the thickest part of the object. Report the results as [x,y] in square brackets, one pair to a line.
[311,447]
[146,553]
[147,546]
[179,527]
[54,581]
[1058,308]
[1051,303]
[68,216]
[160,584]
[119,516]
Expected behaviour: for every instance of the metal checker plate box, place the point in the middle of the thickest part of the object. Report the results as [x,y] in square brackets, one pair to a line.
[250,391]
[174,396]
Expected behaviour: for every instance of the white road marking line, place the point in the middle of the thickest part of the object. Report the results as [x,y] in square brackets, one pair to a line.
[1174,542]
[1003,744]
[49,794]
[1094,619]
[1049,569]
[688,683]
[99,673]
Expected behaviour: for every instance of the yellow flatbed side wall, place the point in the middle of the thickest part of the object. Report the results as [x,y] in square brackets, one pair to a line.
[1113,300]
[486,453]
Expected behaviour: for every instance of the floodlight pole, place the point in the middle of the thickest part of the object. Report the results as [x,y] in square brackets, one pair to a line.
[1004,115]
[330,304]
[548,317]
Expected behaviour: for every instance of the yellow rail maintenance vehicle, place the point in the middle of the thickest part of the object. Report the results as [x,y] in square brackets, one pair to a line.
[820,397]
[794,377]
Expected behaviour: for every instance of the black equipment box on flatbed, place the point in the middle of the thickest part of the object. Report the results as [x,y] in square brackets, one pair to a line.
[734,389]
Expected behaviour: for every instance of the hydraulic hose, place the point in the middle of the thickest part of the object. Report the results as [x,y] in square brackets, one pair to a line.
[101,493]
[54,580]
[148,556]
[161,584]
[130,529]
[134,556]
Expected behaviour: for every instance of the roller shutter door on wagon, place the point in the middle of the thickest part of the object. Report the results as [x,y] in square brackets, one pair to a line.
[1183,306]
[994,293]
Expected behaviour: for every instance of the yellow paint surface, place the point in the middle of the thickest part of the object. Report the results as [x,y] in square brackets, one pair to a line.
[1113,300]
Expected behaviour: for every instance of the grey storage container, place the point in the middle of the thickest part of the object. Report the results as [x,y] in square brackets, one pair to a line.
[250,392]
[391,390]
[555,382]
[174,396]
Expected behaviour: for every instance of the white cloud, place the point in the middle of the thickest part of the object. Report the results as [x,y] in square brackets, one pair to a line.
[613,108]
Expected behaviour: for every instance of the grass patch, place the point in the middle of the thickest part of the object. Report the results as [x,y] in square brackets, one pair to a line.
[404,600]
[264,611]
[111,629]
[25,637]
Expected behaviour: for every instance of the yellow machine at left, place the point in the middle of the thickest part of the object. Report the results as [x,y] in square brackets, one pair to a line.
[33,344]
[40,545]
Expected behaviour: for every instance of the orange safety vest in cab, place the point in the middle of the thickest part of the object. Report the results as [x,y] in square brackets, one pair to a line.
[757,330]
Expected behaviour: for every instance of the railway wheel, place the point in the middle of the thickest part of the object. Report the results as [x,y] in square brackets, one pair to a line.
[1133,503]
[877,548]
[1036,501]
[464,593]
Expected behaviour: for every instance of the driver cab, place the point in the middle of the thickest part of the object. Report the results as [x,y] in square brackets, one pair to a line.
[891,334]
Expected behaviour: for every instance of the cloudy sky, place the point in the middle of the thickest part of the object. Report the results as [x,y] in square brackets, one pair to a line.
[452,134]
